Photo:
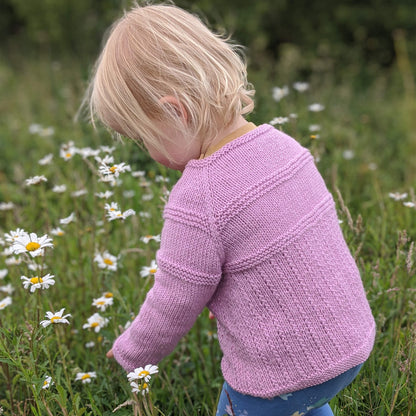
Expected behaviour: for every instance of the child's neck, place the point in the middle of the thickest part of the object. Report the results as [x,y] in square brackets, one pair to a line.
[240,122]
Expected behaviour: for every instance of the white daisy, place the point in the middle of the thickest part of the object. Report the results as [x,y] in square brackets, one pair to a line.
[118,215]
[115,169]
[106,261]
[79,193]
[9,289]
[6,206]
[279,93]
[409,204]
[68,220]
[279,121]
[397,196]
[59,189]
[111,180]
[12,261]
[3,273]
[36,180]
[47,131]
[143,373]
[149,237]
[129,193]
[149,271]
[138,174]
[107,149]
[90,344]
[55,318]
[85,377]
[314,127]
[301,86]
[105,195]
[107,295]
[12,236]
[46,160]
[35,128]
[348,154]
[38,282]
[47,382]
[88,152]
[96,322]
[316,107]
[112,206]
[106,160]
[160,178]
[68,151]
[5,302]
[35,267]
[147,197]
[7,252]
[57,231]
[139,388]
[32,244]
[102,303]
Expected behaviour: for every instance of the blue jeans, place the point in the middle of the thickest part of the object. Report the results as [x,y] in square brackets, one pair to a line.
[312,401]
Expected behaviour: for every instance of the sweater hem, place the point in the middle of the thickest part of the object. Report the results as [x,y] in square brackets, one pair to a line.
[358,357]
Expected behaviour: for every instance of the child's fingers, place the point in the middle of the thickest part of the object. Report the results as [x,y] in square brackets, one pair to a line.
[110,354]
[211,315]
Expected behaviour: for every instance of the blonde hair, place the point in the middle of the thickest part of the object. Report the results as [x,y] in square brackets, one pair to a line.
[154,51]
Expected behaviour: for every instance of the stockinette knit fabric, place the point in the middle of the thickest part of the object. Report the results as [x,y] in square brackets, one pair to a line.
[252,233]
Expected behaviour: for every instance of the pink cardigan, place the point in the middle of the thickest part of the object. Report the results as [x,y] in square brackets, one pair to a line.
[252,233]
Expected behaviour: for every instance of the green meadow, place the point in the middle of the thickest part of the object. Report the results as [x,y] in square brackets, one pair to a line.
[359,124]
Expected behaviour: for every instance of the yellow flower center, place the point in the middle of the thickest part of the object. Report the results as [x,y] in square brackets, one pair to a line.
[108,295]
[2,305]
[54,318]
[60,233]
[145,386]
[45,383]
[101,302]
[32,246]
[113,169]
[35,280]
[85,376]
[313,136]
[108,262]
[94,324]
[68,154]
[153,271]
[149,236]
[144,373]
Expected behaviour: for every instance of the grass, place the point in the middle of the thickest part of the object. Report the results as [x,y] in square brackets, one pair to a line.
[365,152]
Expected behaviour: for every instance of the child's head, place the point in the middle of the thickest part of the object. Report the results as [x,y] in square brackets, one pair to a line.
[162,70]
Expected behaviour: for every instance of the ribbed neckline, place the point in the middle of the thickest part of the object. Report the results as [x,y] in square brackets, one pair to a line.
[230,145]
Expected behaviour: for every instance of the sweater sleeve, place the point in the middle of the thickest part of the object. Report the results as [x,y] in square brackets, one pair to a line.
[189,270]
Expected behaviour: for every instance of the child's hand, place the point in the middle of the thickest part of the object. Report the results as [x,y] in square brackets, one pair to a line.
[110,354]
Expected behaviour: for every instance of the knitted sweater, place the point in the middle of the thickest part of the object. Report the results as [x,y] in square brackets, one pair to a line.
[252,233]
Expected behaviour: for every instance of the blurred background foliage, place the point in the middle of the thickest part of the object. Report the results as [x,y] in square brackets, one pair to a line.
[342,32]
[357,55]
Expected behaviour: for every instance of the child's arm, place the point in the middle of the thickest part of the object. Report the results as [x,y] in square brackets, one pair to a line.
[189,269]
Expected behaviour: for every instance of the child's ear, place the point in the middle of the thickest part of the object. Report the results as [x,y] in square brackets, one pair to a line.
[176,106]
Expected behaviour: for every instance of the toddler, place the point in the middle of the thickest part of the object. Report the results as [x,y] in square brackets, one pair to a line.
[250,229]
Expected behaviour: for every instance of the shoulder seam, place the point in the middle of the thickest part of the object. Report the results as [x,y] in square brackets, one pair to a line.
[277,245]
[260,188]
